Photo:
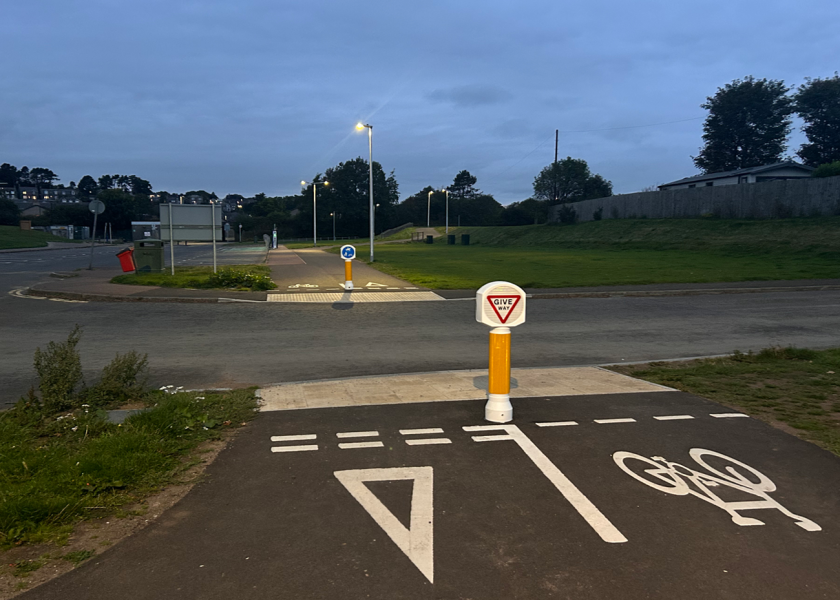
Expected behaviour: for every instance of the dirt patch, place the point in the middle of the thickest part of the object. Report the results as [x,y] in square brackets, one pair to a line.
[26,567]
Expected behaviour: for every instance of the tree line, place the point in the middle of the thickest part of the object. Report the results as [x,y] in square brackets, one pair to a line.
[749,122]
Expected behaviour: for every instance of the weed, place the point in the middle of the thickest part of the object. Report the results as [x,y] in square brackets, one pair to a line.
[59,370]
[124,378]
[79,556]
[25,568]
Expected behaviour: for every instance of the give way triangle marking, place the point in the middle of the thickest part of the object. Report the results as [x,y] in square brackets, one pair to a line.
[503,305]
[416,542]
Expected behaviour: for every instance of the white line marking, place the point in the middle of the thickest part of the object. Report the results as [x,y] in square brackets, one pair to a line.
[421,431]
[294,448]
[293,438]
[557,424]
[673,417]
[602,526]
[351,445]
[427,441]
[416,542]
[352,434]
[727,415]
[607,421]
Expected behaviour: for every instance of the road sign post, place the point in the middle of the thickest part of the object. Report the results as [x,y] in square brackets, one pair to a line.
[501,305]
[97,207]
[348,253]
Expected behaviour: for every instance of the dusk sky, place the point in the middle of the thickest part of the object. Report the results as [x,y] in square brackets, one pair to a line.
[252,96]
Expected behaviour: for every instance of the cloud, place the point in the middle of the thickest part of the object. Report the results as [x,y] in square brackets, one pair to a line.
[470,95]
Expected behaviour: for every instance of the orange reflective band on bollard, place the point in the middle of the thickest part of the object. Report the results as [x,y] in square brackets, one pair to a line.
[498,408]
[348,270]
[499,374]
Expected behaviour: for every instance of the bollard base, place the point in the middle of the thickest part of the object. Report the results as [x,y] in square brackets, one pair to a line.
[498,408]
[348,285]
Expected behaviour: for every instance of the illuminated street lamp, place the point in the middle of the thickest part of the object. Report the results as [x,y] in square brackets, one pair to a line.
[332,214]
[361,126]
[429,209]
[314,206]
[447,209]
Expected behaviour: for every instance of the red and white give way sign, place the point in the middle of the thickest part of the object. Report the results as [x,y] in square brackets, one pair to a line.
[500,304]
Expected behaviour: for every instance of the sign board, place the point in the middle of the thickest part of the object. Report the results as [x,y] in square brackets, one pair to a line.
[191,222]
[97,207]
[348,252]
[500,304]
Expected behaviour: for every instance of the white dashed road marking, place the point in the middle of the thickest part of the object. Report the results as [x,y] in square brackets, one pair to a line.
[352,445]
[673,417]
[608,421]
[727,415]
[421,431]
[355,434]
[428,441]
[293,438]
[557,424]
[294,448]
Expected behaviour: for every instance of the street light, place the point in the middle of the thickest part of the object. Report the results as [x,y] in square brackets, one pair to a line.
[429,210]
[332,214]
[447,209]
[314,205]
[361,126]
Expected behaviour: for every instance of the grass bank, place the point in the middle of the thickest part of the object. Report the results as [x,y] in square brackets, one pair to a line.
[58,469]
[405,234]
[238,277]
[623,252]
[795,389]
[14,237]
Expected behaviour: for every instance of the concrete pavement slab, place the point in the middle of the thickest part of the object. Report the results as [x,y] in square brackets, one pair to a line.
[631,496]
[447,386]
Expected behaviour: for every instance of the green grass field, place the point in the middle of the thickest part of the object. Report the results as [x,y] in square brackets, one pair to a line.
[14,237]
[623,252]
[795,387]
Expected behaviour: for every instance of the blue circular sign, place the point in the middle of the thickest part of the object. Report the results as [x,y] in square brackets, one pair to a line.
[348,252]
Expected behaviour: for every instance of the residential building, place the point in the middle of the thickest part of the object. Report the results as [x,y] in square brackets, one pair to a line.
[778,171]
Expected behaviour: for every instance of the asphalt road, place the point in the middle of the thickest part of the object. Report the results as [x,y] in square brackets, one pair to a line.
[635,496]
[226,345]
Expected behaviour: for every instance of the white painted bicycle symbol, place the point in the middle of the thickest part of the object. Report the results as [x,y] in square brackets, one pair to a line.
[674,478]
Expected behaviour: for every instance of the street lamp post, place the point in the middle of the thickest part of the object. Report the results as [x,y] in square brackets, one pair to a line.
[429,209]
[314,211]
[332,214]
[360,126]
[447,209]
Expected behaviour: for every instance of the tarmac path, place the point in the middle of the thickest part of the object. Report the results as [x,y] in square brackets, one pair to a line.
[653,495]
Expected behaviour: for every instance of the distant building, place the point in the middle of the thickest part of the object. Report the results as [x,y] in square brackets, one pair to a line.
[64,195]
[7,193]
[782,170]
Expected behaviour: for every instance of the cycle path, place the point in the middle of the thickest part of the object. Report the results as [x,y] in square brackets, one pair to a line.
[651,494]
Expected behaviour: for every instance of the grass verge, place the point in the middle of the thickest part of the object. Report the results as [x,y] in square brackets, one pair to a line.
[440,266]
[238,277]
[61,469]
[14,237]
[797,390]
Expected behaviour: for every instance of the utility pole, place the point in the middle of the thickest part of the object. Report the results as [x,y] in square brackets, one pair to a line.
[556,142]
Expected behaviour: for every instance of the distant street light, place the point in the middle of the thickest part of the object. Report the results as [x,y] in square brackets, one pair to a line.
[429,210]
[447,209]
[314,205]
[360,126]
[332,214]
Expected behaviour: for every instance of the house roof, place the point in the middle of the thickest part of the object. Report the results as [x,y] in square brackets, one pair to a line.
[748,171]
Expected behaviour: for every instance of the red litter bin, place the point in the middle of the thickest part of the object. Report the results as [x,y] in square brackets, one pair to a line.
[126,259]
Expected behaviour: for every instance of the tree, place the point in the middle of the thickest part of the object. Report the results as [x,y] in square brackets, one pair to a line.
[569,180]
[747,125]
[106,182]
[462,185]
[348,195]
[42,178]
[121,208]
[817,101]
[8,175]
[87,187]
[831,169]
[9,212]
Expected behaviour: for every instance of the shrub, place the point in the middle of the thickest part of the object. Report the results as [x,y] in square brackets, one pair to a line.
[124,378]
[567,214]
[59,370]
[831,169]
[240,278]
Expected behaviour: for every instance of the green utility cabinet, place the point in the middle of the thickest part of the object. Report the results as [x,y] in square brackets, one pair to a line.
[148,256]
